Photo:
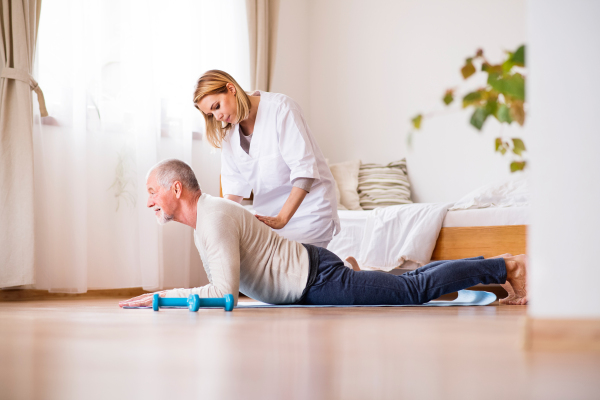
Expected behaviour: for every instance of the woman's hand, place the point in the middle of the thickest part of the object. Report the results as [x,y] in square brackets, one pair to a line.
[144,300]
[288,210]
[277,222]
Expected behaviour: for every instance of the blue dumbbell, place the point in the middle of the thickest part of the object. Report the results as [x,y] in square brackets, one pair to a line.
[193,302]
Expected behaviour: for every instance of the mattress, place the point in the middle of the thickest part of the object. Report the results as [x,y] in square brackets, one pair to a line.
[492,216]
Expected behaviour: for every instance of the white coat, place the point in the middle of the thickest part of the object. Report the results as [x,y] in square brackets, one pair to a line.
[282,149]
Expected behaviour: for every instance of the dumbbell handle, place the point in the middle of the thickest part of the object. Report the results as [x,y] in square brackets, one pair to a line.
[193,302]
[172,301]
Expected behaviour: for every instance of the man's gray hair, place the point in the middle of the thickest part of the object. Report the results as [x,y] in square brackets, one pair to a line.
[171,170]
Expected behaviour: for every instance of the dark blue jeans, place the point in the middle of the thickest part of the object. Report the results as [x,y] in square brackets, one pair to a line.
[337,284]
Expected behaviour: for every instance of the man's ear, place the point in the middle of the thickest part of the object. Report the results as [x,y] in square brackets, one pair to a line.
[177,189]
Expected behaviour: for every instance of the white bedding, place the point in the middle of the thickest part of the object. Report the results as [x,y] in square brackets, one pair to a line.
[402,235]
[350,241]
[491,216]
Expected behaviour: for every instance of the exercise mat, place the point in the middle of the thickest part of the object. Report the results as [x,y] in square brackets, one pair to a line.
[465,298]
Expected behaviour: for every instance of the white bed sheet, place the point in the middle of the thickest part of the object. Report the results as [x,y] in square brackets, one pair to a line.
[491,216]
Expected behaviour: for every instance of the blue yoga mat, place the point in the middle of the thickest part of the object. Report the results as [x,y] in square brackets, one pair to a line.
[465,298]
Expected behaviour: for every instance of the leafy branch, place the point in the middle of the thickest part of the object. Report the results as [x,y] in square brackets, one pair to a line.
[503,97]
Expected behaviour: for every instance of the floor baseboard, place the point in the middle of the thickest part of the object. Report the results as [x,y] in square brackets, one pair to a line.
[33,294]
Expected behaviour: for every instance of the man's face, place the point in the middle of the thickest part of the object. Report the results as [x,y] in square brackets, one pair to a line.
[161,200]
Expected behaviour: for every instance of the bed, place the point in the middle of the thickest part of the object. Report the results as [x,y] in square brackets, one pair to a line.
[489,221]
[486,232]
[464,233]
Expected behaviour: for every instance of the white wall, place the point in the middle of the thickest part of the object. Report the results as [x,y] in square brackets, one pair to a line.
[291,72]
[564,56]
[372,65]
[367,67]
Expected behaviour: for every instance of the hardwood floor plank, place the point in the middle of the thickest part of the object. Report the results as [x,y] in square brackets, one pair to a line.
[92,349]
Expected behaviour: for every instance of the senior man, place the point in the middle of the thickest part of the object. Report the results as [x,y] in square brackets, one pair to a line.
[241,254]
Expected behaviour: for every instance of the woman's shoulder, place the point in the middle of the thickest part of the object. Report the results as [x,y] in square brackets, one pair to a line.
[279,100]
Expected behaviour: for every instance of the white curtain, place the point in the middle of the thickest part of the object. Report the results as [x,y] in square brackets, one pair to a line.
[18,32]
[118,77]
[263,17]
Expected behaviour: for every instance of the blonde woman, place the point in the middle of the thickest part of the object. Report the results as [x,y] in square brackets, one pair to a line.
[266,147]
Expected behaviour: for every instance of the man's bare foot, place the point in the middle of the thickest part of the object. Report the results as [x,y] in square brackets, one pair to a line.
[506,286]
[511,293]
[516,278]
[352,261]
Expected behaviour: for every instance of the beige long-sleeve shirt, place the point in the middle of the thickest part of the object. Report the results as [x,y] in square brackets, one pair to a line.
[242,254]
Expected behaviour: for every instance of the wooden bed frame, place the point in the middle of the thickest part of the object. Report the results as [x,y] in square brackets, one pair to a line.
[473,241]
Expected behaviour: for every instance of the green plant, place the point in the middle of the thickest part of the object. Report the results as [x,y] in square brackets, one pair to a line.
[503,97]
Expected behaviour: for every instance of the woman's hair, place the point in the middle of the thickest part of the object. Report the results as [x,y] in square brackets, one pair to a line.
[215,82]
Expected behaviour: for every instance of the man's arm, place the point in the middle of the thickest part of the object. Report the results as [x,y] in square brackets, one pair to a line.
[220,239]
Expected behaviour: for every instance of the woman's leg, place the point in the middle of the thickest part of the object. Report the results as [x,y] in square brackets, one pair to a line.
[339,285]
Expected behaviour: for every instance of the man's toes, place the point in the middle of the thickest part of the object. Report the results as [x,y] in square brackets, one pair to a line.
[513,300]
[507,300]
[518,301]
[523,301]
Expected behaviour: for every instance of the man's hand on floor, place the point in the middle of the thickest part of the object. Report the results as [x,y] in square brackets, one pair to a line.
[144,300]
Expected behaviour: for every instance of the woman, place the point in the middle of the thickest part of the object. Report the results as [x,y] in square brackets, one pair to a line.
[266,147]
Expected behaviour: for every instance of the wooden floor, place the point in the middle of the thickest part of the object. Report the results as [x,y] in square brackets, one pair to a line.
[91,349]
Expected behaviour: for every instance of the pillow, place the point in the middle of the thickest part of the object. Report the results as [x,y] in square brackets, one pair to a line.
[509,192]
[346,178]
[340,206]
[383,185]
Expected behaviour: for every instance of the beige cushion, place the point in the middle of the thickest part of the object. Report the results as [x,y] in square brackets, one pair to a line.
[337,189]
[337,196]
[346,178]
[383,185]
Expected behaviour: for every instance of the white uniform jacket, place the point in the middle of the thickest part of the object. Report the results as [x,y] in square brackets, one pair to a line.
[282,149]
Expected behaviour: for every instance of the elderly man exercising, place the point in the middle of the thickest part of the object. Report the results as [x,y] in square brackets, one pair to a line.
[241,254]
